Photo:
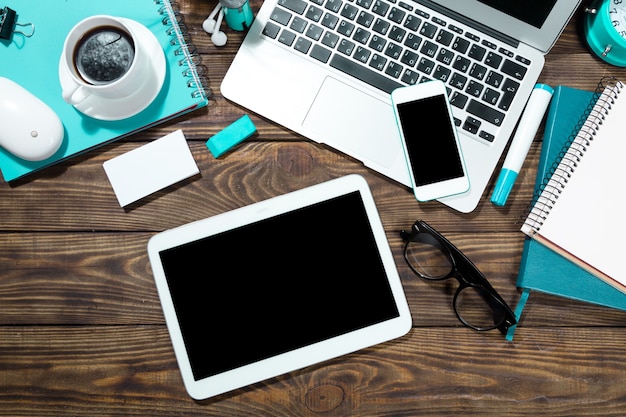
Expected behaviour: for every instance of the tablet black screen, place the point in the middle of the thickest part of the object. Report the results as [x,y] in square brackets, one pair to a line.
[277,285]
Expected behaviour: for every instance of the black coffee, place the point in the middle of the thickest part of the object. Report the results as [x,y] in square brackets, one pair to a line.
[104,55]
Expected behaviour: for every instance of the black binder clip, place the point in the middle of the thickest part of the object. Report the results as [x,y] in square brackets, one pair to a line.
[8,24]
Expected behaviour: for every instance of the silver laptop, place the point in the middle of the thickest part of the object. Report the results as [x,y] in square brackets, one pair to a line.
[325,69]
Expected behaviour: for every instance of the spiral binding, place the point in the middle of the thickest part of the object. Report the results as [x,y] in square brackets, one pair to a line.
[574,149]
[191,61]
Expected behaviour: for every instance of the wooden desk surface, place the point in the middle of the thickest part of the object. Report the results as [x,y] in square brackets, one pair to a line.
[81,327]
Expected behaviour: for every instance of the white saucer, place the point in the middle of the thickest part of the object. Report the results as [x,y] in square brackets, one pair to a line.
[117,109]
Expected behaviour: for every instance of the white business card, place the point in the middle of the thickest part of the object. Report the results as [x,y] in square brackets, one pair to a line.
[150,168]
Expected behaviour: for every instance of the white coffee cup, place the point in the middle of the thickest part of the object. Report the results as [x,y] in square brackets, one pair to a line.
[112,63]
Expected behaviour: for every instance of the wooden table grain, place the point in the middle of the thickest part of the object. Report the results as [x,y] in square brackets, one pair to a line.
[81,327]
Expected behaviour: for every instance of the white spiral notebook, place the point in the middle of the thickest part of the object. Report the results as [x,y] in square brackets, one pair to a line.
[580,211]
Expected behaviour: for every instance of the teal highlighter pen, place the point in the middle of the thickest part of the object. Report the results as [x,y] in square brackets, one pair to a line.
[524,135]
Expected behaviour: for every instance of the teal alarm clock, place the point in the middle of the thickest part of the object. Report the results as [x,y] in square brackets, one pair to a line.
[604,26]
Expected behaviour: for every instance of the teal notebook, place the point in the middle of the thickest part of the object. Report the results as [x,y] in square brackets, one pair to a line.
[542,269]
[34,64]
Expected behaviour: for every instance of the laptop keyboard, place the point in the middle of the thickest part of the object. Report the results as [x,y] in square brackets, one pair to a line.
[391,43]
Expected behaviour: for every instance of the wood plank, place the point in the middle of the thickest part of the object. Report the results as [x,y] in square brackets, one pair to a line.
[131,370]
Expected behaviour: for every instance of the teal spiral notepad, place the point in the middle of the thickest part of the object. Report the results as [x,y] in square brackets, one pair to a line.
[34,64]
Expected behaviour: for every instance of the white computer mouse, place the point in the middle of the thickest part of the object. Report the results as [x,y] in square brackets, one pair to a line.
[29,128]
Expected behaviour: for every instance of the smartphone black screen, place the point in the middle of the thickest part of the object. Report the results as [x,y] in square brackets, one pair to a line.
[430,141]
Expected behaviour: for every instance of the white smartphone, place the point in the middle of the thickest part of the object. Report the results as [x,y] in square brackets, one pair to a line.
[431,144]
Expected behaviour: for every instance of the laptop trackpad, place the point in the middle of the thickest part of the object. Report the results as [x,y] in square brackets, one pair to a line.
[354,122]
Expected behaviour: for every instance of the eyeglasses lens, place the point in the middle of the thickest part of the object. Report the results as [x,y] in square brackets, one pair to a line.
[426,256]
[478,308]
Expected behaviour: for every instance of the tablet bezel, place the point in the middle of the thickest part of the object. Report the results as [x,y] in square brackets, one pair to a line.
[301,357]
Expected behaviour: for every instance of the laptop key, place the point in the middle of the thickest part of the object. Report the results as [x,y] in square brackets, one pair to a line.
[458,100]
[314,32]
[428,30]
[485,112]
[394,69]
[444,37]
[493,60]
[362,54]
[412,22]
[303,45]
[377,43]
[346,47]
[458,81]
[378,62]
[381,26]
[487,136]
[333,5]
[494,79]
[349,11]
[365,19]
[477,52]
[461,63]
[425,65]
[393,51]
[361,35]
[474,88]
[330,21]
[330,39]
[281,16]
[471,125]
[271,30]
[491,96]
[397,34]
[413,41]
[320,53]
[380,7]
[460,45]
[287,37]
[298,24]
[513,69]
[429,49]
[314,13]
[363,73]
[510,88]
[442,73]
[346,28]
[478,71]
[298,6]
[396,15]
[410,77]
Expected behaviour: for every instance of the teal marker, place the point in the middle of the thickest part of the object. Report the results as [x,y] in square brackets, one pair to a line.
[524,135]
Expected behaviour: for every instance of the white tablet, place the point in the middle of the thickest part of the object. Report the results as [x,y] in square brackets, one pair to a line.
[278,285]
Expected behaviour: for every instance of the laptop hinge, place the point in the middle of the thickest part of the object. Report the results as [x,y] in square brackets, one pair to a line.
[469,22]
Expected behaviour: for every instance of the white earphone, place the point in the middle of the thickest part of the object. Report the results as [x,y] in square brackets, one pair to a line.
[212,26]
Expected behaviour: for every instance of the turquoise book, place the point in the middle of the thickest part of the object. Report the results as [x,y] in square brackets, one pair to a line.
[542,269]
[33,62]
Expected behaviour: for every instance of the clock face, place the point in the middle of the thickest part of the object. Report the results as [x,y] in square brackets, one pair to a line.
[617,15]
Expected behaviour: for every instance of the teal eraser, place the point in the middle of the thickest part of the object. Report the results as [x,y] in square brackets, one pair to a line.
[232,135]
[503,187]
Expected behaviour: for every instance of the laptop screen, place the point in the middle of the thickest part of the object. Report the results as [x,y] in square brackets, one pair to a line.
[537,23]
[533,12]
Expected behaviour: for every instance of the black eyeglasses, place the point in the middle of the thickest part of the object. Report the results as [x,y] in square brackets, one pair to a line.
[476,303]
